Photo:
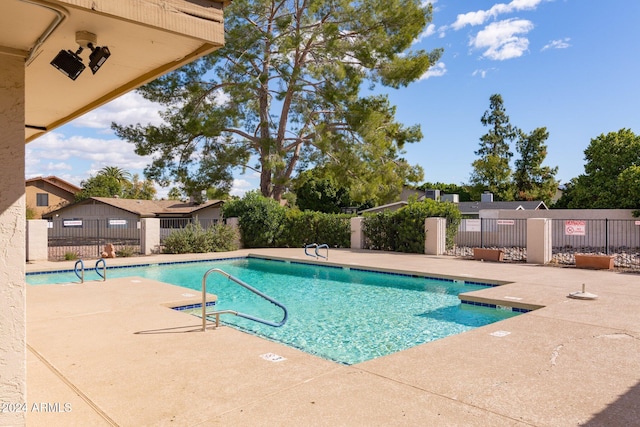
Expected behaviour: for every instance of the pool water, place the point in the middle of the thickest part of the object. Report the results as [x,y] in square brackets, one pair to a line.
[345,315]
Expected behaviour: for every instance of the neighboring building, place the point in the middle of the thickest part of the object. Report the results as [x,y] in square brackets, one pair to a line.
[472,209]
[390,207]
[45,194]
[121,212]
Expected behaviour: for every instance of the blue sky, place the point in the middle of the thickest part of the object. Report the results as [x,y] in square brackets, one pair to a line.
[571,66]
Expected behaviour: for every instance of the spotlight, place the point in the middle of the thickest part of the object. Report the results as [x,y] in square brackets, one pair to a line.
[98,57]
[69,63]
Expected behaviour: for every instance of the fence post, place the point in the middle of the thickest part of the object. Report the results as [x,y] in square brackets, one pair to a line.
[482,232]
[37,240]
[149,235]
[539,241]
[606,235]
[435,236]
[357,233]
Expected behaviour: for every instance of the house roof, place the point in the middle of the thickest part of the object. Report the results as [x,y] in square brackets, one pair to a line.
[55,181]
[394,205]
[475,207]
[147,208]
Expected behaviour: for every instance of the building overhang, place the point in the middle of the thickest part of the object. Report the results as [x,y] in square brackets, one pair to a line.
[146,39]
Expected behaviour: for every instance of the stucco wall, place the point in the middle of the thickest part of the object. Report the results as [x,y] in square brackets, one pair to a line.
[13,386]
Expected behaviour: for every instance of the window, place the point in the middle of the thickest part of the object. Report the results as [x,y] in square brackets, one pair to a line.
[42,199]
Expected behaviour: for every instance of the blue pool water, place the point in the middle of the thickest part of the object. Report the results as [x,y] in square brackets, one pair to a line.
[345,315]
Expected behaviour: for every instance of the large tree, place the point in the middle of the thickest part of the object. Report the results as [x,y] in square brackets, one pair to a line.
[532,180]
[284,93]
[112,181]
[611,178]
[491,171]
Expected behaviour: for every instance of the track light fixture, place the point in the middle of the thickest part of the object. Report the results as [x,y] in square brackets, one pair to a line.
[70,63]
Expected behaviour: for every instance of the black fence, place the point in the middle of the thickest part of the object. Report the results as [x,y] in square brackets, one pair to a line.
[83,238]
[169,225]
[509,235]
[619,238]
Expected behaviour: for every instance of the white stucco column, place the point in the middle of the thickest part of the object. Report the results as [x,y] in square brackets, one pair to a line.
[539,240]
[357,233]
[435,230]
[149,235]
[13,370]
[37,240]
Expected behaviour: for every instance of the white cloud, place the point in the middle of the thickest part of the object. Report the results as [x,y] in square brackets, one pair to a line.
[480,72]
[438,70]
[129,109]
[429,31]
[240,187]
[502,40]
[558,44]
[479,17]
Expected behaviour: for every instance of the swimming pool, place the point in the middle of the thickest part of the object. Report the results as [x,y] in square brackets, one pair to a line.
[341,314]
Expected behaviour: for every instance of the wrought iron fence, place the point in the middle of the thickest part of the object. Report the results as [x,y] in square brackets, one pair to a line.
[169,225]
[86,238]
[509,235]
[617,237]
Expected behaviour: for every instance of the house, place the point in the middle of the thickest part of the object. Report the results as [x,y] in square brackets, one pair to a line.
[472,209]
[127,212]
[44,194]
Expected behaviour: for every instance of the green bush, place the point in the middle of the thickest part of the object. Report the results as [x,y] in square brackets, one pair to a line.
[70,256]
[403,230]
[125,252]
[261,219]
[302,228]
[195,239]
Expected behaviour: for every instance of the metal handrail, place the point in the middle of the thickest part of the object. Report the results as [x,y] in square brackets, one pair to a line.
[75,270]
[323,246]
[311,245]
[246,316]
[104,269]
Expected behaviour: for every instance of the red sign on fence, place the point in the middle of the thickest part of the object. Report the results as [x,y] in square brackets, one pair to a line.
[575,227]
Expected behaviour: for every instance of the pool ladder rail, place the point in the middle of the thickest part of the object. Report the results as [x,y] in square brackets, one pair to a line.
[80,272]
[317,248]
[217,313]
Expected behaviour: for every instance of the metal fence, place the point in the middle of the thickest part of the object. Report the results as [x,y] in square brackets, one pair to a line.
[617,237]
[82,238]
[169,225]
[509,235]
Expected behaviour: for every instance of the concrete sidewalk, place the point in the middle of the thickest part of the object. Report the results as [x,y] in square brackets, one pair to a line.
[114,354]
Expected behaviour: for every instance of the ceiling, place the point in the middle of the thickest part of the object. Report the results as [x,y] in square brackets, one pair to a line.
[146,38]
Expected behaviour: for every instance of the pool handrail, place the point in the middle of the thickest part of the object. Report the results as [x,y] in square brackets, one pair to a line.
[311,245]
[322,246]
[246,316]
[317,248]
[104,269]
[75,270]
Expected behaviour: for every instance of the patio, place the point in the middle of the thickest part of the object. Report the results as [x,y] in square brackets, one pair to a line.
[113,354]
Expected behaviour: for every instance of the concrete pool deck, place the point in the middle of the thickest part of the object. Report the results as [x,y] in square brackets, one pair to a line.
[112,353]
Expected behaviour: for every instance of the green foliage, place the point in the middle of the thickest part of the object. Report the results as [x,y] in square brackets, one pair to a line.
[193,238]
[264,223]
[126,252]
[70,256]
[491,171]
[285,89]
[531,180]
[112,181]
[403,230]
[261,219]
[30,212]
[320,195]
[612,174]
[303,228]
[461,190]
